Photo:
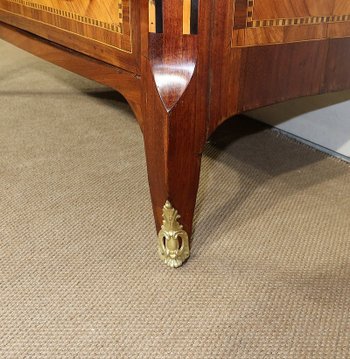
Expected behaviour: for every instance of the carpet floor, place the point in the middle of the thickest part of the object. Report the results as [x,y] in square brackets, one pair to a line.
[269,275]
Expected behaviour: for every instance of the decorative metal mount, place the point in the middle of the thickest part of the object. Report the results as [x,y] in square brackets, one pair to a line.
[173,241]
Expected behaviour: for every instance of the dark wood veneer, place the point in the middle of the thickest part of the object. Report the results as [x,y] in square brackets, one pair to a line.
[183,86]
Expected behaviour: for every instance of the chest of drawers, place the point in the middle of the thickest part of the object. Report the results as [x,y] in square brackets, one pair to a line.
[185,66]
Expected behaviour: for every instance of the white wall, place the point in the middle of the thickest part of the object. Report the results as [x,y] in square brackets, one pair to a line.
[323,120]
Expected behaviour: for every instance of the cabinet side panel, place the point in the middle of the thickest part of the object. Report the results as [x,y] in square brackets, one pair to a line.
[249,77]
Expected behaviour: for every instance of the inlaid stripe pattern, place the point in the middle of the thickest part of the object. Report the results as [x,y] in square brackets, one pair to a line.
[76,17]
[314,20]
[189,16]
[253,25]
[99,24]
[296,21]
[186,17]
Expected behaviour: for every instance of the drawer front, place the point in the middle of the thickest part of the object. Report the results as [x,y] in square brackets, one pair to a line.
[263,22]
[101,29]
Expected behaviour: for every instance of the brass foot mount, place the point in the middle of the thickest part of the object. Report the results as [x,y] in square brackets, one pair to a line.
[173,241]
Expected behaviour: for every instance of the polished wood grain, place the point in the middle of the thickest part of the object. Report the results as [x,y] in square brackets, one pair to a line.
[106,14]
[249,77]
[263,22]
[184,77]
[98,29]
[175,80]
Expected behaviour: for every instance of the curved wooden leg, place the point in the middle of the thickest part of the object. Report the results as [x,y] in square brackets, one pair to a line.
[174,128]
[174,141]
[173,154]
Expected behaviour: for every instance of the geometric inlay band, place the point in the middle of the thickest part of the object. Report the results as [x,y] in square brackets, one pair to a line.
[311,20]
[296,21]
[268,22]
[76,17]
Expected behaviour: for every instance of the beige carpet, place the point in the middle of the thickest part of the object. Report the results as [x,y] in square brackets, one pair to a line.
[269,275]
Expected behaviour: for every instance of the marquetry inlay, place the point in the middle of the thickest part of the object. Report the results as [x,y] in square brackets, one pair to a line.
[117,26]
[189,16]
[96,21]
[186,17]
[261,22]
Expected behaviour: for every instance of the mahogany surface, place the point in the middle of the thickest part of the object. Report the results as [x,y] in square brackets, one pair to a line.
[187,66]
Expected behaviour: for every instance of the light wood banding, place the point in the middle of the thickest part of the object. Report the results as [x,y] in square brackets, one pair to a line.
[187,17]
[152,16]
[263,22]
[105,25]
